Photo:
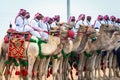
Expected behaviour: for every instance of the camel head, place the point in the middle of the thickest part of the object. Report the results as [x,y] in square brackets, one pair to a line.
[82,29]
[93,34]
[68,46]
[55,39]
[108,28]
[63,32]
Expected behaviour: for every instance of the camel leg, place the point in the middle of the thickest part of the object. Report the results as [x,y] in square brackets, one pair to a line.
[117,72]
[46,68]
[56,64]
[2,67]
[92,68]
[68,70]
[99,66]
[90,64]
[105,61]
[57,68]
[60,68]
[7,72]
[64,68]
[96,65]
[87,65]
[35,68]
[110,64]
[31,61]
[41,69]
[115,67]
[80,67]
[12,68]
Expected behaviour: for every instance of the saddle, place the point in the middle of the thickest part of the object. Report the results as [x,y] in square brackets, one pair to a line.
[16,47]
[15,34]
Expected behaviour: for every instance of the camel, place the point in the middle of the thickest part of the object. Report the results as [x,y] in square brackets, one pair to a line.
[94,49]
[80,34]
[113,45]
[90,33]
[42,61]
[108,32]
[33,50]
[64,49]
[55,53]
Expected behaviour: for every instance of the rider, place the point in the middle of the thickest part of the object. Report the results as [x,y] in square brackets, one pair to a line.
[88,21]
[98,22]
[112,20]
[19,20]
[106,19]
[56,21]
[28,27]
[79,22]
[27,16]
[71,22]
[118,22]
[45,26]
[48,21]
[35,24]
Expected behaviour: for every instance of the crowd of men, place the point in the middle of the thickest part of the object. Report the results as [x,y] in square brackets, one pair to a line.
[40,25]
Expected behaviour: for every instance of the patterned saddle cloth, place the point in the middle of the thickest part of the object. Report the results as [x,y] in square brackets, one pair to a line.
[16,48]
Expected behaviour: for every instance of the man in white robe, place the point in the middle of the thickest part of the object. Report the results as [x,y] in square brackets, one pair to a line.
[19,20]
[98,22]
[88,21]
[79,22]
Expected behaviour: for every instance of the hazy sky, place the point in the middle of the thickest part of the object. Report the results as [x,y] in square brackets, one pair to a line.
[10,8]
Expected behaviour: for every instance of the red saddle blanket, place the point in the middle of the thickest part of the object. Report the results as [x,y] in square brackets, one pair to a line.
[16,48]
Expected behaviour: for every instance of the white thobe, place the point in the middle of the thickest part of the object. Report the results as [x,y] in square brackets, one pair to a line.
[44,27]
[34,25]
[77,25]
[88,23]
[98,24]
[19,24]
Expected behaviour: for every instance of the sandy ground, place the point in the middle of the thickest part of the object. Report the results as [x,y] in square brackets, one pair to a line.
[14,77]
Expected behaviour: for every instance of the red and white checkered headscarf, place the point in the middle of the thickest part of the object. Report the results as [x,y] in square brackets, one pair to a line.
[112,18]
[100,17]
[21,11]
[106,17]
[38,14]
[80,17]
[57,17]
[72,18]
[46,19]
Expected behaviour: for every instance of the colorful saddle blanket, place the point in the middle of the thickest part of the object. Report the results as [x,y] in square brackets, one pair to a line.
[16,48]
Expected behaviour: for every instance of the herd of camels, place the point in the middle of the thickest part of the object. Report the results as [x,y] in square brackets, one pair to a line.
[89,53]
